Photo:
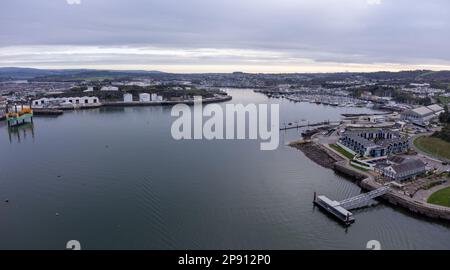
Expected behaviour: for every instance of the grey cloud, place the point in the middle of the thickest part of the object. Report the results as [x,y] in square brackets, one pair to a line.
[351,31]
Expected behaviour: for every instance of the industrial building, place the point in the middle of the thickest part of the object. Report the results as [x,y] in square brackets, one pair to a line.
[422,115]
[127,97]
[66,102]
[144,97]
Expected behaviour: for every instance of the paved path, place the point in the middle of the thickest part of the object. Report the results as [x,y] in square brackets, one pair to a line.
[423,195]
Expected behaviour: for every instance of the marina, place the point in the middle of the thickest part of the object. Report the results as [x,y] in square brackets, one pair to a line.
[230,194]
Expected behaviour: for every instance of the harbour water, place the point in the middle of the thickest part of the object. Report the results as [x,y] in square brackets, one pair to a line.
[113,178]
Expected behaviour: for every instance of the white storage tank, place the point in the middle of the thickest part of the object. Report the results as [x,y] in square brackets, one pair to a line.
[127,97]
[144,97]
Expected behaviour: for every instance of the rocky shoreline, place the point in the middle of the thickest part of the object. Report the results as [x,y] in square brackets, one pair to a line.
[316,153]
[328,159]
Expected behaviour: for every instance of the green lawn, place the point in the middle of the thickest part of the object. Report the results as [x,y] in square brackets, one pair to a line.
[359,168]
[441,197]
[342,151]
[433,146]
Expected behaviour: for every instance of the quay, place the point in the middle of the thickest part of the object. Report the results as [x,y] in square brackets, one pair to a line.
[308,125]
[164,103]
[47,112]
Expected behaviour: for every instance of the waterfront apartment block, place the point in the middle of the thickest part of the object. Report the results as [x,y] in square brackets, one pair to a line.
[375,142]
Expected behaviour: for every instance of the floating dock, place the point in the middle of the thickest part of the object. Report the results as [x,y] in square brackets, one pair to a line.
[334,208]
[340,210]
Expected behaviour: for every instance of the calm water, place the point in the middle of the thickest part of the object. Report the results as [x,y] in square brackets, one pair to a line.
[118,180]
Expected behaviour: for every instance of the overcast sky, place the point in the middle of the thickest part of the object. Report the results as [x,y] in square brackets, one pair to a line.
[226,35]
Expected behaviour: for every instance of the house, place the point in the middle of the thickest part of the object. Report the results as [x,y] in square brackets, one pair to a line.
[401,169]
[422,115]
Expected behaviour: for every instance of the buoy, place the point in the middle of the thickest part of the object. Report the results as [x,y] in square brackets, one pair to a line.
[6,201]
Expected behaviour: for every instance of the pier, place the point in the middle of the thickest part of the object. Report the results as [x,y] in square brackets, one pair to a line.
[341,209]
[308,124]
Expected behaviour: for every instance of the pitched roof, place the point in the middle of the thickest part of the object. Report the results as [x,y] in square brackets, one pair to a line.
[422,111]
[408,165]
[435,108]
[396,159]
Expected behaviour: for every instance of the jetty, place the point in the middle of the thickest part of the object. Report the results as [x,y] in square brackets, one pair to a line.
[341,209]
[308,124]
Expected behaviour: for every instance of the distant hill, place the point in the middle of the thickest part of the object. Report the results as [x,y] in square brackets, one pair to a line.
[14,73]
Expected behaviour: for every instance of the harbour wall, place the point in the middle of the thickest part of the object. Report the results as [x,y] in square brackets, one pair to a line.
[328,159]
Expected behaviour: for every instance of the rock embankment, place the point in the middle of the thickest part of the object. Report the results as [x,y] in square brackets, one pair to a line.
[317,153]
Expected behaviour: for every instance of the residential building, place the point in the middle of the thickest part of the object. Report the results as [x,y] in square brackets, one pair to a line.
[374,142]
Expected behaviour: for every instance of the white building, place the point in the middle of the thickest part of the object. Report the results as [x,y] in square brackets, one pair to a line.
[109,88]
[422,115]
[68,102]
[144,97]
[89,89]
[2,107]
[127,97]
[156,98]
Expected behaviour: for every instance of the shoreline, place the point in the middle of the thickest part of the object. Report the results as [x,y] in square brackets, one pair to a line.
[317,152]
[59,111]
[164,103]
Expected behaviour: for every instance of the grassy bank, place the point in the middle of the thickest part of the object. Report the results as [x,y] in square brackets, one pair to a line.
[342,151]
[441,197]
[433,146]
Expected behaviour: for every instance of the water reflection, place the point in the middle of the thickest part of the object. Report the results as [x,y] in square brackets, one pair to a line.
[21,133]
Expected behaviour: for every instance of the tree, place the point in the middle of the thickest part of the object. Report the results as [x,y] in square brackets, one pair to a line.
[445,116]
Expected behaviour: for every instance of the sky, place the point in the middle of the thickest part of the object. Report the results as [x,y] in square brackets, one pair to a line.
[192,36]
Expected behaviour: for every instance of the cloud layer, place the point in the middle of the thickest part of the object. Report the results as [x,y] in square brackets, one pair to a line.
[295,34]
